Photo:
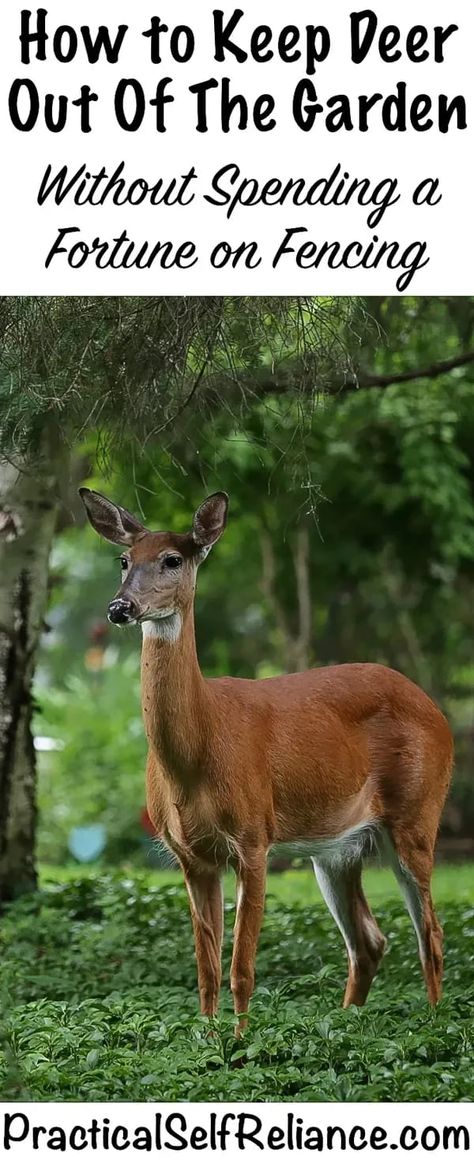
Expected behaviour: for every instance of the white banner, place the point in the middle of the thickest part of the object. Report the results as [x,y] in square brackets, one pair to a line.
[235,1129]
[188,149]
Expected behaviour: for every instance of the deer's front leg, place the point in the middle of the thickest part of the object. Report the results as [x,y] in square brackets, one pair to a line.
[250,904]
[205,896]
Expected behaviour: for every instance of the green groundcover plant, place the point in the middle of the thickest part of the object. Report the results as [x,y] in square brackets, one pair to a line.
[98,990]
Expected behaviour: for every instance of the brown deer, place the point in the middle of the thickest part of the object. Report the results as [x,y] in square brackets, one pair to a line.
[339,762]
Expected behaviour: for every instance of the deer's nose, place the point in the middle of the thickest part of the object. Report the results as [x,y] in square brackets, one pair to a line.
[121,611]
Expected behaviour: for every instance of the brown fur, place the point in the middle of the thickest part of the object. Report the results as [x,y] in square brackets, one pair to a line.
[237,765]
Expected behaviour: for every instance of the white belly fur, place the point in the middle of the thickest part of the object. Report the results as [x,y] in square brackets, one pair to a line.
[351,847]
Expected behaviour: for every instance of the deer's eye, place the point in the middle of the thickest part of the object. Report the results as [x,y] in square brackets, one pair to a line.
[123,563]
[172,561]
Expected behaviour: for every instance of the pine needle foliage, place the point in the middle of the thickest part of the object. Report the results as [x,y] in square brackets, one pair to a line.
[138,369]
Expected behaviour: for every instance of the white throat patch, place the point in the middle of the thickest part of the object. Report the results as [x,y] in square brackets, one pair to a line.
[166,628]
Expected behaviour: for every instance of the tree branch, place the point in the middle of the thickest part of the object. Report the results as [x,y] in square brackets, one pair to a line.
[283,382]
[431,372]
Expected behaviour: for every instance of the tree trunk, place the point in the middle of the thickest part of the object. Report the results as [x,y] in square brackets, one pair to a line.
[268,583]
[28,508]
[297,645]
[303,588]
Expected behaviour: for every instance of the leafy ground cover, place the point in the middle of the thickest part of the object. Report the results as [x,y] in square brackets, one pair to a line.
[98,992]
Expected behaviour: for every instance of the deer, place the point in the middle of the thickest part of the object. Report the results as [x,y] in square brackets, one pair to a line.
[339,762]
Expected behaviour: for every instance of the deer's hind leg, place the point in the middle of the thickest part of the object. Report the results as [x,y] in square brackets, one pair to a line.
[413,866]
[423,772]
[341,887]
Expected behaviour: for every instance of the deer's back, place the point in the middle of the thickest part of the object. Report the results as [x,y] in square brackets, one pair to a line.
[335,743]
[304,757]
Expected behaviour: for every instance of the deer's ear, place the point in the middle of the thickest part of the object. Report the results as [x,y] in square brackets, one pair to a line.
[210,520]
[112,522]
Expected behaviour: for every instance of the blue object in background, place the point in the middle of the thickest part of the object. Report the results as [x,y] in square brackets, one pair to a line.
[86,843]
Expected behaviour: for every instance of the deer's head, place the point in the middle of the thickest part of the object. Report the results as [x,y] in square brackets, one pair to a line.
[158,568]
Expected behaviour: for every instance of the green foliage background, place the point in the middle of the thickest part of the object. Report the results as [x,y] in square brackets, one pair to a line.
[355,504]
[381,481]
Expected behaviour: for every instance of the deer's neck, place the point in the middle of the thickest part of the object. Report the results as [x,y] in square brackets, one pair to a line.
[174,696]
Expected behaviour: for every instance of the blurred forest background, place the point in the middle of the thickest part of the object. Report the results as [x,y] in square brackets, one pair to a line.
[343,432]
